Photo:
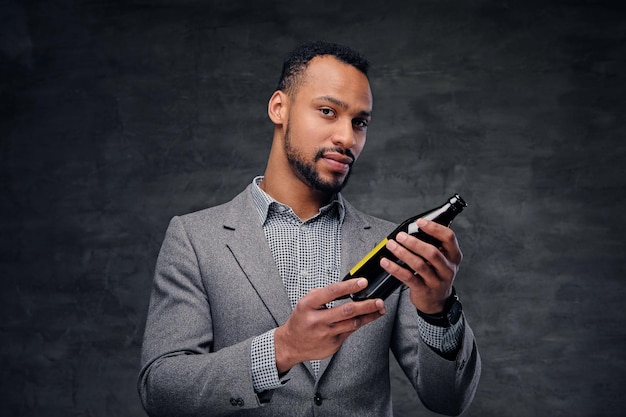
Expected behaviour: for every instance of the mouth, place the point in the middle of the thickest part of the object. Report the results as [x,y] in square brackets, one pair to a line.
[337,157]
[338,161]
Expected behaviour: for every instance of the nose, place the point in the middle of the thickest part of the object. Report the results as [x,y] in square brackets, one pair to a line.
[344,135]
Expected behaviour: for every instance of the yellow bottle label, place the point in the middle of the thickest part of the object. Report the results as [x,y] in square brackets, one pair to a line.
[367,257]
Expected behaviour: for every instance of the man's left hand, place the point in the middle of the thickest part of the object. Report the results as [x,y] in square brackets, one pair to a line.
[435,268]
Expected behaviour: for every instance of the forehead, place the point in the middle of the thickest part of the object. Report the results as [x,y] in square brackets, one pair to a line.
[328,76]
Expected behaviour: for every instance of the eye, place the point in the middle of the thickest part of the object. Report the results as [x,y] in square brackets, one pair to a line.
[327,111]
[360,123]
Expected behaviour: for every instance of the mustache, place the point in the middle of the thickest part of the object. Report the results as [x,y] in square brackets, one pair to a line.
[347,152]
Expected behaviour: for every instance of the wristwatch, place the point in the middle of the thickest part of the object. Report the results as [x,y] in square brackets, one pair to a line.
[449,316]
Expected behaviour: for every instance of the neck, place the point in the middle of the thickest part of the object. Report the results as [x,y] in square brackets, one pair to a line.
[287,189]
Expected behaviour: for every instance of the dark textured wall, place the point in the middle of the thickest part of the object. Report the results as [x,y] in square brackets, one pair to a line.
[117,115]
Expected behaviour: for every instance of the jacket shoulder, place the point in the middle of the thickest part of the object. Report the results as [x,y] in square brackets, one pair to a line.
[220,213]
[369,221]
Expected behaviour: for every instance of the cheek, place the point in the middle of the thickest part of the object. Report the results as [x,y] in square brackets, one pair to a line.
[314,134]
[360,144]
[300,124]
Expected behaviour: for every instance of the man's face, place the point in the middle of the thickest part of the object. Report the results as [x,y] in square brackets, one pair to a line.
[327,124]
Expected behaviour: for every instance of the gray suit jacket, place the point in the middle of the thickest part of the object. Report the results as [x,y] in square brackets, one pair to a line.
[216,287]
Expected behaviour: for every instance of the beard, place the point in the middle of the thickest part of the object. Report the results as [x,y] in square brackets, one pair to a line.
[307,172]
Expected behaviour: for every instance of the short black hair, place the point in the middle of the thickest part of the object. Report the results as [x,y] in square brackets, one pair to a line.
[298,59]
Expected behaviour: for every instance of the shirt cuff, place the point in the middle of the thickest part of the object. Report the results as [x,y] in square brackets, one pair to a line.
[263,356]
[445,340]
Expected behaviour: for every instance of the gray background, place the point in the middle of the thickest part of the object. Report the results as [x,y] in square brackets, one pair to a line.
[117,115]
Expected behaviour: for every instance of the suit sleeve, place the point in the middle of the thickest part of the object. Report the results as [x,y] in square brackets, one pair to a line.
[444,386]
[181,374]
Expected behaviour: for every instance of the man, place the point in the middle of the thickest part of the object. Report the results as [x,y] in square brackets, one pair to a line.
[248,314]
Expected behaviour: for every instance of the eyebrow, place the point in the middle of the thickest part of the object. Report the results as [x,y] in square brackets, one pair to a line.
[342,104]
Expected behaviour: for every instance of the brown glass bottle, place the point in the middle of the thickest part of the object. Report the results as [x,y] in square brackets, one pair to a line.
[381,283]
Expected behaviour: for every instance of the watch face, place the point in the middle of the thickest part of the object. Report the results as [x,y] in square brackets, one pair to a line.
[455,312]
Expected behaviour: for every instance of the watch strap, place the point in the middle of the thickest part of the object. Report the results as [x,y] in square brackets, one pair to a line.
[450,314]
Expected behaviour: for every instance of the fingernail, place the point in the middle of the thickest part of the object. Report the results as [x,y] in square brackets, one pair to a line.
[384,262]
[362,282]
[422,222]
[380,303]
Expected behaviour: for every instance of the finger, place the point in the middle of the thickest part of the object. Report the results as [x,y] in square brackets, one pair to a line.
[447,237]
[410,278]
[430,260]
[349,317]
[416,255]
[347,311]
[347,327]
[321,296]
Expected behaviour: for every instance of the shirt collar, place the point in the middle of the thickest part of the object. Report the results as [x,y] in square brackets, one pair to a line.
[264,203]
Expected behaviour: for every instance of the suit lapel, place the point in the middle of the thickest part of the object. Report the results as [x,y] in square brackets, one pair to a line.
[251,251]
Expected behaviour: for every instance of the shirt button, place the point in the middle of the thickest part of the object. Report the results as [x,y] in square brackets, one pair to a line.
[317,399]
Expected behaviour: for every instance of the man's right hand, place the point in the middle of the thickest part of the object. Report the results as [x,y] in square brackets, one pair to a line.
[316,332]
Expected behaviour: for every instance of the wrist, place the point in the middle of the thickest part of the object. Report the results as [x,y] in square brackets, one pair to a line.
[284,360]
[450,314]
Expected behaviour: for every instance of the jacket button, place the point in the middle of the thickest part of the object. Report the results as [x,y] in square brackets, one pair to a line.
[236,402]
[317,399]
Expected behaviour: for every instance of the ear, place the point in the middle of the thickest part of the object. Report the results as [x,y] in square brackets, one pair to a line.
[277,107]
